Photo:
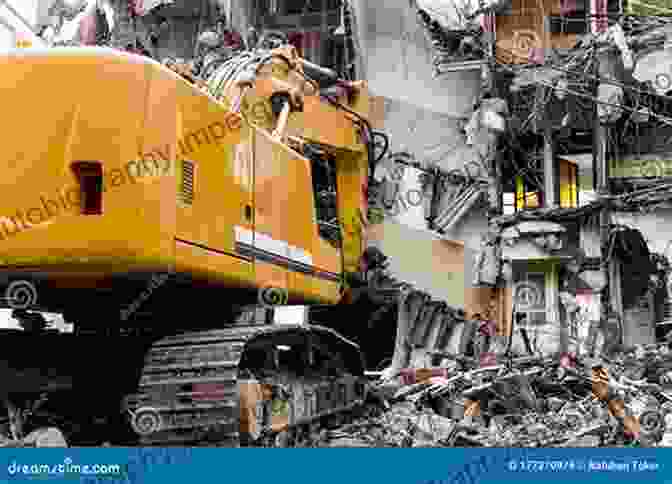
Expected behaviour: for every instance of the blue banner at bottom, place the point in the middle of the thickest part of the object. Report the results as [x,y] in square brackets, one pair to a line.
[334,466]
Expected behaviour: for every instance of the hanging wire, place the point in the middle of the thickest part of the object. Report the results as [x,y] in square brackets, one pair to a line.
[585,75]
[663,119]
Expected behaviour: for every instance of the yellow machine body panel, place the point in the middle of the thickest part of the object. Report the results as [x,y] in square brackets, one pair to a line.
[93,107]
[286,233]
[187,185]
[328,126]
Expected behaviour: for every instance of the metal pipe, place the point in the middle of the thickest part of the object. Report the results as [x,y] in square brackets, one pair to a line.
[447,194]
[455,203]
[465,208]
[324,76]
[447,216]
[456,209]
[602,169]
[551,185]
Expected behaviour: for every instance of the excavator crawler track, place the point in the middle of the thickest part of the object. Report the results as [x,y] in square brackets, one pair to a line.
[230,386]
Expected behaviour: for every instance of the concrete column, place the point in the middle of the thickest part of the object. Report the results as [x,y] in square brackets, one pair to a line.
[551,179]
[602,172]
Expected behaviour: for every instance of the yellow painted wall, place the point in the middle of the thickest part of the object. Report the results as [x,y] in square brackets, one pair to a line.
[442,268]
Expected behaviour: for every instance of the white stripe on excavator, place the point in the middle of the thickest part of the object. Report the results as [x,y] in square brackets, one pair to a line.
[265,242]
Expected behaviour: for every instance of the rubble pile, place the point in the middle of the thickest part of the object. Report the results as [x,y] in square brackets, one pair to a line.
[524,402]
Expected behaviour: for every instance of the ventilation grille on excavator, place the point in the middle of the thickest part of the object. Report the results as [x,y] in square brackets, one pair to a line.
[187,192]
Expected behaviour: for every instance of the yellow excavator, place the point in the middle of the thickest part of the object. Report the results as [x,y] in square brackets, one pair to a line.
[162,215]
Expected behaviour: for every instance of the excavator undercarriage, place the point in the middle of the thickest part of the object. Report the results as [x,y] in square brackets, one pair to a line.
[253,383]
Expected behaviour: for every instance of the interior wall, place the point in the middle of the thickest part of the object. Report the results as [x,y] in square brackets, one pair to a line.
[441,268]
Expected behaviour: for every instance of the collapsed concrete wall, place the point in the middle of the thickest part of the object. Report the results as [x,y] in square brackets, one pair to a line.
[443,271]
[652,311]
[430,140]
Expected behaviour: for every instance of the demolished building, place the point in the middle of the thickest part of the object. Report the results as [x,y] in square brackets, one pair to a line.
[556,233]
[521,195]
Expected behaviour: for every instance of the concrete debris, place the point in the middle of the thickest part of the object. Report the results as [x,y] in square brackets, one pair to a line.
[41,437]
[488,262]
[525,228]
[451,43]
[453,15]
[526,402]
[609,98]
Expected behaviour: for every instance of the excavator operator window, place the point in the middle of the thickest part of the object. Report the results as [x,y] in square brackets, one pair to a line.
[89,175]
[323,170]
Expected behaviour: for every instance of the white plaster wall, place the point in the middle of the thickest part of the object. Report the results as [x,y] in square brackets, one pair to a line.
[437,138]
[6,38]
[423,115]
[590,240]
[43,11]
[429,135]
[440,268]
[409,213]
[656,228]
[398,61]
[27,9]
